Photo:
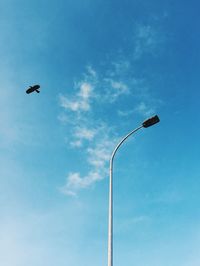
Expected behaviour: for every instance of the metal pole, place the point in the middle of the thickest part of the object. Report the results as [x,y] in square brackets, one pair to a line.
[110,211]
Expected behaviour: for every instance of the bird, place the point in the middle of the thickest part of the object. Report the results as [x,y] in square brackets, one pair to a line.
[33,88]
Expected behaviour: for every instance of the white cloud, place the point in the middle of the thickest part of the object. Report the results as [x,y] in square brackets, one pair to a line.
[98,155]
[125,113]
[74,105]
[63,118]
[75,182]
[81,134]
[91,72]
[85,90]
[144,110]
[84,133]
[81,102]
[119,86]
[115,89]
[92,133]
[88,131]
[76,143]
[121,67]
[146,40]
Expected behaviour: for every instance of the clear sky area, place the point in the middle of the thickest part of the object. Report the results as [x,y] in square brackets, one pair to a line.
[104,66]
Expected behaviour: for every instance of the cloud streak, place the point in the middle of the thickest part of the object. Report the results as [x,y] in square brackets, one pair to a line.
[86,113]
[97,152]
[146,40]
[81,102]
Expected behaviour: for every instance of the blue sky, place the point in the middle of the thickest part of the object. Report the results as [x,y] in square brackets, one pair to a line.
[104,67]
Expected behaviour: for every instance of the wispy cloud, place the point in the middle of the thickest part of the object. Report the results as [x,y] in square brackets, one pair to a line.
[81,134]
[146,39]
[100,153]
[116,89]
[91,72]
[145,110]
[141,108]
[90,132]
[87,131]
[85,112]
[81,102]
[97,156]
[75,182]
[84,133]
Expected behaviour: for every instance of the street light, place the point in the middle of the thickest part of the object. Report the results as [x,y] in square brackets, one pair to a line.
[147,123]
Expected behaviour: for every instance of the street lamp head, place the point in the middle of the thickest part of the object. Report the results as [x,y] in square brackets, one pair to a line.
[151,121]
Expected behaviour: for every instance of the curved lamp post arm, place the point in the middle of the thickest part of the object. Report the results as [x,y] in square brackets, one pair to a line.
[147,123]
[120,143]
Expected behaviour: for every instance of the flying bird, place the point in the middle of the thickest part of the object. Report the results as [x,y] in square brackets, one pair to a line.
[33,88]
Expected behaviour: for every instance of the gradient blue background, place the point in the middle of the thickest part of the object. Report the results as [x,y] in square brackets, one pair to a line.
[104,67]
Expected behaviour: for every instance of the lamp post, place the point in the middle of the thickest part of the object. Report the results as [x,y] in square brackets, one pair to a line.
[147,123]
